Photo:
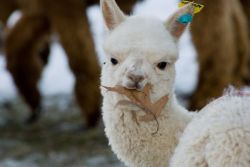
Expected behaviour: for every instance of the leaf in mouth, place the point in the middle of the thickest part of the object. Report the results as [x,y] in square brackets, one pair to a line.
[142,100]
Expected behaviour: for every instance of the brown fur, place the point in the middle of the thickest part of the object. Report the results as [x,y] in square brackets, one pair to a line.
[23,63]
[6,8]
[220,36]
[67,19]
[246,7]
[1,37]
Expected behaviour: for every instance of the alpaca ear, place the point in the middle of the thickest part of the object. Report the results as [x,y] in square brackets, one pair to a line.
[178,22]
[112,14]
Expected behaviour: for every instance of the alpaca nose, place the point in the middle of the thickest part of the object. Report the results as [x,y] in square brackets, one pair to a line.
[136,78]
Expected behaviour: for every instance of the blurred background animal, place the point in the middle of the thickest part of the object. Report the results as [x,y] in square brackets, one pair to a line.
[221,37]
[27,49]
[1,37]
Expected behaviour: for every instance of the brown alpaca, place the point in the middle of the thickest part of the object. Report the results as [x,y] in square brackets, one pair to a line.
[1,37]
[246,7]
[6,8]
[29,36]
[220,35]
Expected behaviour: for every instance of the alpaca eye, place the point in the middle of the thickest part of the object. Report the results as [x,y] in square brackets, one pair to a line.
[162,65]
[114,61]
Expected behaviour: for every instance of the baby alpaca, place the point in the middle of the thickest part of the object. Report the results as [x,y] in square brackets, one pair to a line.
[141,51]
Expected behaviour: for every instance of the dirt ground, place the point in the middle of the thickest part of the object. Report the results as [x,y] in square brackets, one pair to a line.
[58,139]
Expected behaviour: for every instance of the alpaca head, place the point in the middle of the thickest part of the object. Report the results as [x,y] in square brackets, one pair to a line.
[141,50]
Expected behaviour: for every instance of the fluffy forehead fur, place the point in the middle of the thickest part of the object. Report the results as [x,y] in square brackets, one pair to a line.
[143,37]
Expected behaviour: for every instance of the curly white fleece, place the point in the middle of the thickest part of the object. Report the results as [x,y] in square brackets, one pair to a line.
[218,137]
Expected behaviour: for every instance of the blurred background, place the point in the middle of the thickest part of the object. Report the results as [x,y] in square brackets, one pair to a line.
[51,55]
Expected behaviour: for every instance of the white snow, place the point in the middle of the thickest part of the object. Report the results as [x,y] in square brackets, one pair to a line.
[58,79]
[14,17]
[7,88]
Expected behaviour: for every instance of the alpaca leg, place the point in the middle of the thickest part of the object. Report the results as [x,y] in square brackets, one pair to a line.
[78,44]
[23,62]
[246,6]
[210,86]
[242,42]
[126,6]
[217,53]
[1,37]
[44,52]
[6,8]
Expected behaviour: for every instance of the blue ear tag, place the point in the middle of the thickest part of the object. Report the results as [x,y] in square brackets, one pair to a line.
[186,18]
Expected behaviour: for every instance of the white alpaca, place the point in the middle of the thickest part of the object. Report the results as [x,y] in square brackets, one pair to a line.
[144,50]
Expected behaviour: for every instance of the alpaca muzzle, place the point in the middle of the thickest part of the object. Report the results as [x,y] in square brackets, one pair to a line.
[135,81]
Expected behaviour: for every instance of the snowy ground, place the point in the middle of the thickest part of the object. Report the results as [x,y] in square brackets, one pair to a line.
[57,139]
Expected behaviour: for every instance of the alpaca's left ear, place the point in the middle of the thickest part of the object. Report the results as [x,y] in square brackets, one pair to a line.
[178,22]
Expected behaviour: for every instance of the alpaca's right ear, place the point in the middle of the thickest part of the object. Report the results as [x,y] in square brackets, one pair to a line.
[179,21]
[112,14]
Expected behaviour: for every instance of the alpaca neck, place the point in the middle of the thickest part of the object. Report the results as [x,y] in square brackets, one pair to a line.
[177,115]
[126,134]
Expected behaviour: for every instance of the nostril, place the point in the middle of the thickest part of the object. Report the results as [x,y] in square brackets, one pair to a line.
[130,77]
[136,78]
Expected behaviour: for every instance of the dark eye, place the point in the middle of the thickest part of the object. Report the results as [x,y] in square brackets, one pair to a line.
[162,65]
[114,61]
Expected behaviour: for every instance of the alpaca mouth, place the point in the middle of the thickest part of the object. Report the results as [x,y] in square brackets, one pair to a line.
[134,86]
[142,100]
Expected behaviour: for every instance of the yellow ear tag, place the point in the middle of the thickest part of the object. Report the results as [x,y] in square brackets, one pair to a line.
[197,7]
